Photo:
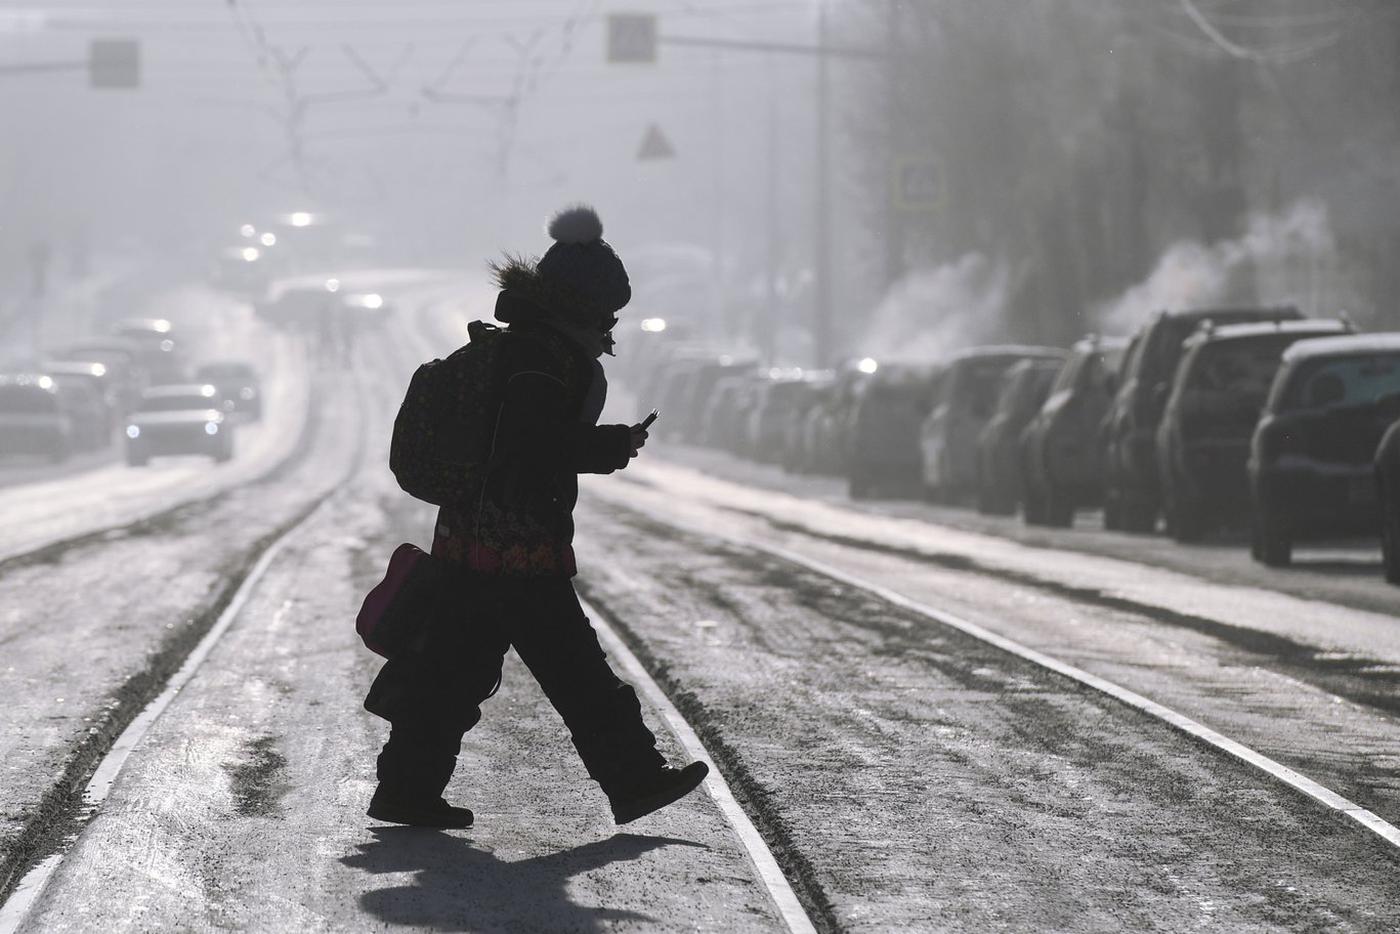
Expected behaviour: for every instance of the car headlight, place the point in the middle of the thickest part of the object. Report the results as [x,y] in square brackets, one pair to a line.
[132,431]
[211,428]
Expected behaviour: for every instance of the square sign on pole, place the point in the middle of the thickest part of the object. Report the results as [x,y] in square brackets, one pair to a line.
[917,184]
[114,63]
[631,37]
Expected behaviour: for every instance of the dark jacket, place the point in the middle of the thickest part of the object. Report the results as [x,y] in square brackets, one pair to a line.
[515,518]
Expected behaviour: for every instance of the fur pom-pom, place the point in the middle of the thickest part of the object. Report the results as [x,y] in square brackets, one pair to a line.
[576,224]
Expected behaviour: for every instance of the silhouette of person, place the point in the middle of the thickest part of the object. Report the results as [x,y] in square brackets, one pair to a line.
[530,416]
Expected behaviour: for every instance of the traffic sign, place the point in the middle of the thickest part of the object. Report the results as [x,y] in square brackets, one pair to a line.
[632,37]
[917,183]
[655,145]
[114,63]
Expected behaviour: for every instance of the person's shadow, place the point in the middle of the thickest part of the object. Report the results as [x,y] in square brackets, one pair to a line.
[460,886]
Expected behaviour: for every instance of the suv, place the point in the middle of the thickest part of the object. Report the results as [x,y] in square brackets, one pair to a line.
[948,437]
[1311,470]
[1214,403]
[1000,478]
[1132,495]
[1060,447]
[883,452]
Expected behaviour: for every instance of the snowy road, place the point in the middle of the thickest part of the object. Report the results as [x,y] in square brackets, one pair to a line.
[904,774]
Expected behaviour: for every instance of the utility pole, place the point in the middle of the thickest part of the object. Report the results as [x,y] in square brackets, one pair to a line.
[894,217]
[821,248]
[768,328]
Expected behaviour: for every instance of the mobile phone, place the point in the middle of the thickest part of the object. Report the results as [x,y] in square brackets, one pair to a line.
[646,422]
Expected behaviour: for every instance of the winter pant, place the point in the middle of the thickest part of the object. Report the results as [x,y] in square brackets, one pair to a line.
[433,696]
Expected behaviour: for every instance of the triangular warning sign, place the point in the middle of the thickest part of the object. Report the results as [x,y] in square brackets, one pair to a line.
[655,145]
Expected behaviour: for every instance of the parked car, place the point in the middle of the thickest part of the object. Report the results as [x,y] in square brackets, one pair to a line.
[1025,387]
[1388,492]
[1312,458]
[883,456]
[812,396]
[1061,455]
[238,386]
[947,438]
[827,431]
[768,419]
[1211,410]
[32,418]
[1133,493]
[178,419]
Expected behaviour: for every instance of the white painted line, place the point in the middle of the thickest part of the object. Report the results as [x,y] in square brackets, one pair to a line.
[14,911]
[1295,780]
[784,898]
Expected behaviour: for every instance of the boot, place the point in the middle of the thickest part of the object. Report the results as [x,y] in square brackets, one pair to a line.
[417,811]
[656,790]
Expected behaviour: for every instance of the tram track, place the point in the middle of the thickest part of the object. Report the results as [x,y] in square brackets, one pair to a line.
[52,822]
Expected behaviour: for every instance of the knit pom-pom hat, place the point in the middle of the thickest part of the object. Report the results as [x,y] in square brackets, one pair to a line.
[580,278]
[582,262]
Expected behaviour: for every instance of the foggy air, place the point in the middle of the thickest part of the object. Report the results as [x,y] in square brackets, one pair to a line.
[699,465]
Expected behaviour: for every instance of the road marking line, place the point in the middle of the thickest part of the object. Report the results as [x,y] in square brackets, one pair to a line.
[1295,780]
[784,898]
[14,911]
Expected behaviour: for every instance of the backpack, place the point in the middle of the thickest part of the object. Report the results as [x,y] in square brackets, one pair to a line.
[441,428]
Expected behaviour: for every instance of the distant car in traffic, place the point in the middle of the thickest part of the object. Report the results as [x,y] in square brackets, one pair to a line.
[1025,387]
[32,418]
[1061,449]
[1203,439]
[121,360]
[1388,493]
[97,376]
[178,419]
[238,385]
[964,403]
[156,350]
[1312,457]
[1132,488]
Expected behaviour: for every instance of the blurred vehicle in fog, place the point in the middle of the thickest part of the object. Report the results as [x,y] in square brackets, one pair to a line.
[32,418]
[1312,458]
[828,428]
[720,420]
[1024,388]
[1388,493]
[1132,497]
[183,418]
[238,386]
[155,347]
[1061,449]
[883,456]
[299,307]
[688,387]
[368,310]
[967,395]
[1209,417]
[811,395]
[119,358]
[99,378]
[774,400]
[241,270]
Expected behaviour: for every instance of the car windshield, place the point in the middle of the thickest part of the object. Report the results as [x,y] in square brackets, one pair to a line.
[27,400]
[1241,368]
[1351,380]
[188,403]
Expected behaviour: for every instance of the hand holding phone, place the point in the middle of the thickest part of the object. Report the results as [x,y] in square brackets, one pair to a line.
[646,422]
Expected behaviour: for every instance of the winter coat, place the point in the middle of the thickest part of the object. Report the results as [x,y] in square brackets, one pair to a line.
[515,518]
